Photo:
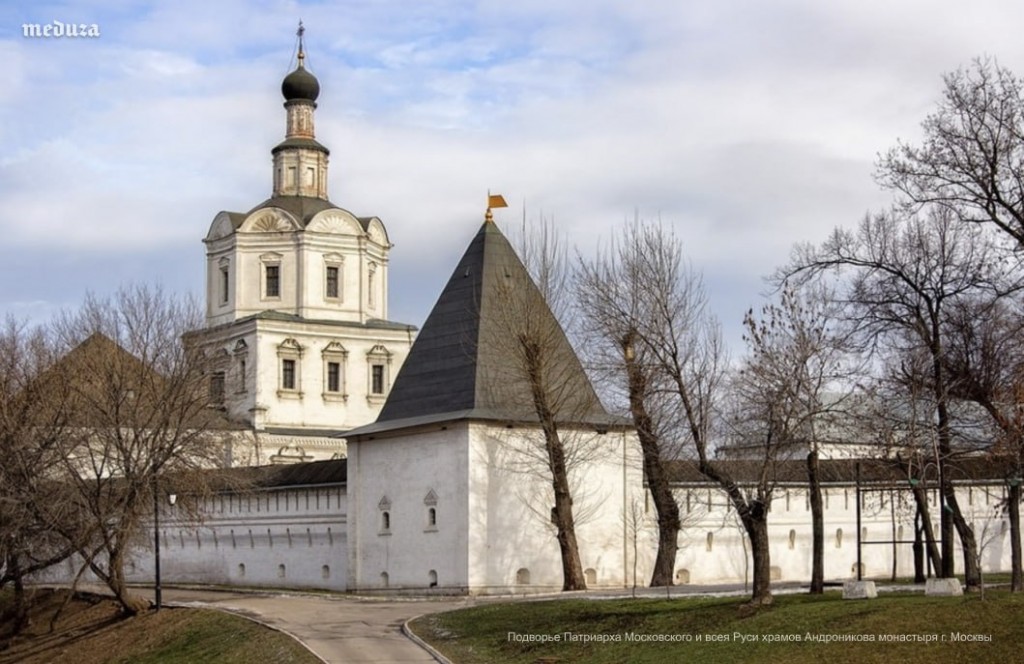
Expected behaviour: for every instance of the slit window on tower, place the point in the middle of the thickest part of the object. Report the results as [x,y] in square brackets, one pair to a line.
[224,285]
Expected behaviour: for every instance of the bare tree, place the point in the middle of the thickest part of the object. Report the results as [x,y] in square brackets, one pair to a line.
[139,413]
[33,501]
[795,384]
[679,342]
[617,304]
[971,160]
[986,364]
[905,272]
[539,370]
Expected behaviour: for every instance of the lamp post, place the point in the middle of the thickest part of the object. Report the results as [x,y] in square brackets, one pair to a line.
[171,499]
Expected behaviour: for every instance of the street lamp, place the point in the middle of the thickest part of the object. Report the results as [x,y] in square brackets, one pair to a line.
[171,499]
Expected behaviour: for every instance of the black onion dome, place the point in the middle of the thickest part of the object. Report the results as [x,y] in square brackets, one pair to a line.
[300,84]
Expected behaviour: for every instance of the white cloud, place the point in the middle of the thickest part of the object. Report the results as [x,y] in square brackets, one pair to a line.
[746,125]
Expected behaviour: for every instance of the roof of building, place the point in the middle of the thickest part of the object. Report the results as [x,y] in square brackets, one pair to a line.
[300,84]
[843,471]
[466,362]
[311,473]
[683,473]
[303,208]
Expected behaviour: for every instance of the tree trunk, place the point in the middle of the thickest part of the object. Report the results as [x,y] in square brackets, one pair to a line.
[1013,510]
[756,524]
[113,576]
[921,498]
[919,576]
[972,566]
[19,616]
[654,472]
[561,513]
[817,525]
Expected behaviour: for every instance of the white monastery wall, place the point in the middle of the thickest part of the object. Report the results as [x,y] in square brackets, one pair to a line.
[285,538]
[513,546]
[713,548]
[397,481]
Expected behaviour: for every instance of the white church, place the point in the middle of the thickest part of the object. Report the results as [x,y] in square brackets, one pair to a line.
[403,461]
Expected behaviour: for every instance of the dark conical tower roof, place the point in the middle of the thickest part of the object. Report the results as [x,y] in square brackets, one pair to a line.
[467,361]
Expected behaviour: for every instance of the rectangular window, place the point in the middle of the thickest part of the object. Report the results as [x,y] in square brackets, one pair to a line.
[377,379]
[223,285]
[332,282]
[288,374]
[273,281]
[334,377]
[217,387]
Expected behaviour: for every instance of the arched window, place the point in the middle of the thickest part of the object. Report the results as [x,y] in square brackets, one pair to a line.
[241,570]
[384,579]
[432,578]
[590,574]
[280,571]
[839,538]
[385,521]
[792,540]
[522,577]
[710,541]
[325,572]
[430,501]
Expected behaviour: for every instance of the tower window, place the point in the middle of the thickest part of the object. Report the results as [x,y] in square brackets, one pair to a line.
[334,376]
[288,374]
[332,281]
[273,280]
[371,286]
[377,379]
[224,285]
[217,388]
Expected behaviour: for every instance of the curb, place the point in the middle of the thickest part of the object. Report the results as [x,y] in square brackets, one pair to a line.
[421,643]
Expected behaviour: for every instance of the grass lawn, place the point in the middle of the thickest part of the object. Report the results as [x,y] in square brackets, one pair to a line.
[90,630]
[717,630]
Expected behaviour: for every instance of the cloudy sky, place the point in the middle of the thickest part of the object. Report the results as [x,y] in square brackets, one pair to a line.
[746,125]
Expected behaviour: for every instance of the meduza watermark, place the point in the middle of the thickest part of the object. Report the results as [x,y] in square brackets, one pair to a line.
[58,29]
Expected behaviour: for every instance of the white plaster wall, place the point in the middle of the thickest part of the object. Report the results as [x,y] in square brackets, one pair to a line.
[511,500]
[404,470]
[264,405]
[727,559]
[302,529]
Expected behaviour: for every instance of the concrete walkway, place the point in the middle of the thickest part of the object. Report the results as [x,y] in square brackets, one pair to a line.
[359,630]
[338,629]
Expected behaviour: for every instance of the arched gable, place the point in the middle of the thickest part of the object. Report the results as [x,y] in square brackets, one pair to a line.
[376,231]
[335,221]
[269,220]
[221,226]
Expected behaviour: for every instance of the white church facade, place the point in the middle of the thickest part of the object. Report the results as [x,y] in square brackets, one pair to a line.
[297,332]
[410,460]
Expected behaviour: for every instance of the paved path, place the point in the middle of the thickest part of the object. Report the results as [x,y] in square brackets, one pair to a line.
[338,629]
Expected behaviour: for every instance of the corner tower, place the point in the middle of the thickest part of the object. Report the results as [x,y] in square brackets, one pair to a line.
[297,330]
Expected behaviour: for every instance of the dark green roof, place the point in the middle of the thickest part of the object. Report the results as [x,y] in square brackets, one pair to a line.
[308,143]
[465,362]
[300,84]
[303,208]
